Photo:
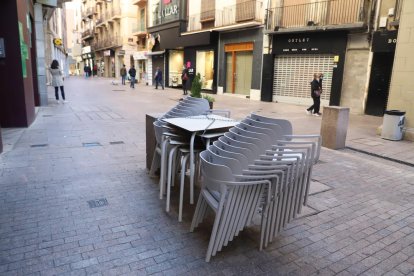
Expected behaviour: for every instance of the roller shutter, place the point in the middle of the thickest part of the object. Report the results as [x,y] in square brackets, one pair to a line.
[293,74]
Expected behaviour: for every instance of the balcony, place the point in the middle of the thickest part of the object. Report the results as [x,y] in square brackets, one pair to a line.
[88,34]
[140,3]
[116,12]
[139,30]
[333,14]
[109,42]
[248,12]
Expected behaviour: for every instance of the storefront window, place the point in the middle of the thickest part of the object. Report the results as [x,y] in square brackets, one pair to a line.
[175,65]
[205,66]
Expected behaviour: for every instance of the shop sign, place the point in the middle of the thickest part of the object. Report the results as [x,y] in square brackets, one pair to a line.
[57,41]
[121,53]
[140,55]
[86,49]
[107,53]
[384,41]
[310,43]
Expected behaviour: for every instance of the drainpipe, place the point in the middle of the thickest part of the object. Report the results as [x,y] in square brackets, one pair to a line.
[371,55]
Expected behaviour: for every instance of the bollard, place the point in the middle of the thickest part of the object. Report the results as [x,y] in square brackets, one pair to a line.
[334,126]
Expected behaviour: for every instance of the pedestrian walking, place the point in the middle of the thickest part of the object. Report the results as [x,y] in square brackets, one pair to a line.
[123,73]
[184,78]
[85,70]
[132,73]
[95,70]
[316,90]
[158,78]
[57,80]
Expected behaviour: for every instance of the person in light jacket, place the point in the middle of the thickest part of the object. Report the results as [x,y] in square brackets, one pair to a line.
[57,80]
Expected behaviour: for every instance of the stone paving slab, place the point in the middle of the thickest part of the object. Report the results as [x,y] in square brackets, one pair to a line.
[363,224]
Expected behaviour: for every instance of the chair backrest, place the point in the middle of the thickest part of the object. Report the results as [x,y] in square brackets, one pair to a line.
[242,161]
[259,139]
[222,143]
[158,130]
[213,171]
[284,124]
[276,128]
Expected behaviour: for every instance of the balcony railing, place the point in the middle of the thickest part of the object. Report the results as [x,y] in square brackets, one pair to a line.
[321,13]
[248,11]
[109,42]
[138,29]
[88,33]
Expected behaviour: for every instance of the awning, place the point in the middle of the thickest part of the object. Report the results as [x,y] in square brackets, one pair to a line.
[140,55]
[155,53]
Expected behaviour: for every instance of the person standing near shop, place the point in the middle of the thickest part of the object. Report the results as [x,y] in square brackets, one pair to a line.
[316,90]
[57,80]
[123,73]
[95,70]
[184,78]
[132,73]
[158,78]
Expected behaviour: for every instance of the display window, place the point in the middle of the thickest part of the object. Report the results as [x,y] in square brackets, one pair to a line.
[205,66]
[176,63]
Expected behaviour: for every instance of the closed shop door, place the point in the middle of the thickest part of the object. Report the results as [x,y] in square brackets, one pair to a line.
[293,74]
[243,74]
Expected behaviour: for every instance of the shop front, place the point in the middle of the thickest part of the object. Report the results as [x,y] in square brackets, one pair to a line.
[109,63]
[383,48]
[140,62]
[240,63]
[88,56]
[296,58]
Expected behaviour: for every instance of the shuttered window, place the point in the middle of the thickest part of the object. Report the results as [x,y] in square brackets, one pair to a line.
[208,10]
[293,74]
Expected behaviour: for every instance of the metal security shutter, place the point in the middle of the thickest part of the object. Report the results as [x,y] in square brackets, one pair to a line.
[293,74]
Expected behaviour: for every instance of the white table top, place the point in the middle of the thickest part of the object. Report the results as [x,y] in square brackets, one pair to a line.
[202,122]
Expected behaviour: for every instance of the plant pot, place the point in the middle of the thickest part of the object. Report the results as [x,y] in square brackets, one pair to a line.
[211,105]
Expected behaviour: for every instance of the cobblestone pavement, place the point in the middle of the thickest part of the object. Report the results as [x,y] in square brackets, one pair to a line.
[360,220]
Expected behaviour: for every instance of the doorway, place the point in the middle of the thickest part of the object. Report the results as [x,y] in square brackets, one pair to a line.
[239,63]
[379,83]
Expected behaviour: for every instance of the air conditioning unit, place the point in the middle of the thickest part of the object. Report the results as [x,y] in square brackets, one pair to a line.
[391,12]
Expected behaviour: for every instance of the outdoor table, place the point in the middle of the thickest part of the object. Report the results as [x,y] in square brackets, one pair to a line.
[199,125]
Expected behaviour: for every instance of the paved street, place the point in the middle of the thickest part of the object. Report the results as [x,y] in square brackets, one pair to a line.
[360,218]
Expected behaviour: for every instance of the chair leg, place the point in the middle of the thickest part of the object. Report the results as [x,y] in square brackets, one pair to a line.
[197,213]
[155,164]
[170,161]
[164,147]
[180,208]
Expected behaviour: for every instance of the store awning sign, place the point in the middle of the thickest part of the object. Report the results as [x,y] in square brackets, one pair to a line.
[140,55]
[107,53]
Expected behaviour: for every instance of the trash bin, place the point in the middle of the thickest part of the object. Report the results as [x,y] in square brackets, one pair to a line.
[393,125]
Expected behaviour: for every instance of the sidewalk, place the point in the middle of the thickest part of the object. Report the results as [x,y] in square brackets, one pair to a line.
[75,198]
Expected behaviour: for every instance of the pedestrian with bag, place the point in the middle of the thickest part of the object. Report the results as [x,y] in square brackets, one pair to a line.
[316,91]
[158,78]
[95,70]
[123,73]
[184,78]
[57,80]
[132,73]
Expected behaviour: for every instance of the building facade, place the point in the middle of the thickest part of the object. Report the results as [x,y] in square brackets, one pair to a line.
[402,81]
[107,36]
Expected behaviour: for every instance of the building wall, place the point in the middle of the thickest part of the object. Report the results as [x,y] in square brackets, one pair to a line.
[16,81]
[356,73]
[402,82]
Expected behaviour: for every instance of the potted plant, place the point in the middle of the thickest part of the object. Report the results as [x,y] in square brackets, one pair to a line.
[196,86]
[210,100]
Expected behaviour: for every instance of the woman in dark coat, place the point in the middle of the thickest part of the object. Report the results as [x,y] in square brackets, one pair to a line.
[316,90]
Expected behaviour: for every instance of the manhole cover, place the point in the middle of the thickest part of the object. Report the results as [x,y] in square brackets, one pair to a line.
[47,115]
[116,142]
[39,145]
[91,144]
[118,90]
[98,203]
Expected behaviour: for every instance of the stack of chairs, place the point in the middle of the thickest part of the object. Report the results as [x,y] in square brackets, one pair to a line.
[172,148]
[257,173]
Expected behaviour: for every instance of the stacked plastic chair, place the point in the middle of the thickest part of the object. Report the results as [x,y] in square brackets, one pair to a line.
[257,173]
[172,149]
